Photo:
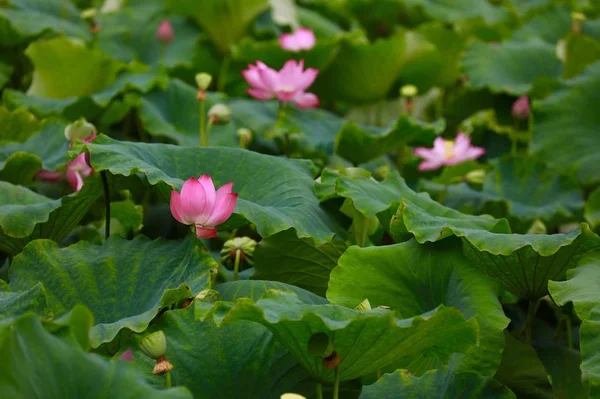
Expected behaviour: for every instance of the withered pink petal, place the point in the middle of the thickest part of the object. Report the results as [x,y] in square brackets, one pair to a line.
[206,232]
[50,176]
[260,94]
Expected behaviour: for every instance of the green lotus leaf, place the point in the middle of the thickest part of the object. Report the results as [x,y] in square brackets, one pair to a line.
[511,66]
[581,288]
[255,289]
[226,22]
[372,198]
[591,27]
[562,366]
[207,358]
[125,217]
[19,162]
[580,51]
[533,191]
[6,71]
[363,72]
[36,363]
[26,215]
[592,209]
[568,113]
[274,193]
[124,283]
[299,261]
[17,126]
[441,383]
[29,18]
[412,279]
[525,7]
[550,25]
[15,304]
[522,371]
[460,10]
[359,145]
[364,341]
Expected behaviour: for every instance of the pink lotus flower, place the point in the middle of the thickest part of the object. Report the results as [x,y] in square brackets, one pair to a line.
[520,108]
[164,32]
[127,355]
[301,39]
[448,152]
[287,85]
[200,205]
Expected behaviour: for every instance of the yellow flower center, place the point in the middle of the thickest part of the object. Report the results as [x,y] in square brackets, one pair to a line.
[449,144]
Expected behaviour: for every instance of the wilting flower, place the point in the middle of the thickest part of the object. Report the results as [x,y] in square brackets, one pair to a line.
[301,39]
[520,108]
[78,169]
[164,32]
[287,85]
[448,152]
[200,205]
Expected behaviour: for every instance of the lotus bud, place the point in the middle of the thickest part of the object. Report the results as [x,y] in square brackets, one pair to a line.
[409,91]
[164,32]
[210,296]
[520,108]
[244,244]
[475,176]
[154,345]
[203,80]
[127,355]
[363,306]
[219,114]
[80,129]
[245,136]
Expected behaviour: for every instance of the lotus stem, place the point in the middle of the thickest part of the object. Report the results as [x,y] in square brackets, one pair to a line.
[336,384]
[569,329]
[319,390]
[168,379]
[106,205]
[236,265]
[223,73]
[531,310]
[202,122]
[209,126]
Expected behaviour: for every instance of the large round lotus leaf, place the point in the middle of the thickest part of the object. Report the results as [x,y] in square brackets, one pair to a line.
[95,70]
[14,304]
[124,283]
[567,114]
[510,67]
[550,25]
[363,72]
[460,10]
[38,364]
[225,21]
[208,359]
[592,208]
[300,261]
[522,263]
[274,193]
[358,145]
[255,289]
[17,125]
[26,215]
[533,191]
[441,383]
[413,279]
[581,288]
[29,18]
[19,162]
[364,341]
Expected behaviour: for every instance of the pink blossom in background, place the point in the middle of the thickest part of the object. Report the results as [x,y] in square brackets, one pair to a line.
[448,152]
[200,205]
[50,176]
[520,108]
[287,85]
[78,169]
[127,355]
[164,32]
[301,39]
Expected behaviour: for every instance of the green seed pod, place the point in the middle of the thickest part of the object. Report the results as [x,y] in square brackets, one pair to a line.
[409,91]
[203,80]
[80,129]
[363,306]
[245,244]
[210,296]
[219,114]
[154,345]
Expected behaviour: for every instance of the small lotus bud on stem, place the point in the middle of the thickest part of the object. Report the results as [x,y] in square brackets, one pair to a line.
[245,136]
[246,246]
[408,93]
[203,80]
[162,365]
[219,114]
[521,108]
[164,32]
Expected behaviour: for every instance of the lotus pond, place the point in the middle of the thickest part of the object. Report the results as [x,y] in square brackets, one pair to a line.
[299,199]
